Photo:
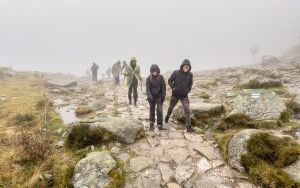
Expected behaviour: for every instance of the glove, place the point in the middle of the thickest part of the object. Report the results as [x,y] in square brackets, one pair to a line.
[150,98]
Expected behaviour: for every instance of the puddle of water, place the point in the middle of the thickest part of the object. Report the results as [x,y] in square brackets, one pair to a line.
[67,114]
[66,111]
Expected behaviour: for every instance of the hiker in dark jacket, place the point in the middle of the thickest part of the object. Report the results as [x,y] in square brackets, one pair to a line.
[94,70]
[181,82]
[156,93]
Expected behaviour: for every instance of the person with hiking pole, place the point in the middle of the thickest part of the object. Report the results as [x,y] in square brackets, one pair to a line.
[133,76]
[156,94]
[181,82]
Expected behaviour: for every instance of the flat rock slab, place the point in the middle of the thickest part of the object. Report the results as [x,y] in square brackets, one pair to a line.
[179,155]
[93,170]
[207,151]
[183,173]
[203,165]
[140,163]
[166,172]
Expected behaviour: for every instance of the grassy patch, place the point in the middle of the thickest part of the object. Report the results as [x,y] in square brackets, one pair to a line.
[267,154]
[244,121]
[255,84]
[223,142]
[80,136]
[118,176]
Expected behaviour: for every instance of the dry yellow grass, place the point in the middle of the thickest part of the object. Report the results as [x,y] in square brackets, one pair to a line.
[19,96]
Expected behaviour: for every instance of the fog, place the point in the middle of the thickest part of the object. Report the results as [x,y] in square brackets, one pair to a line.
[69,35]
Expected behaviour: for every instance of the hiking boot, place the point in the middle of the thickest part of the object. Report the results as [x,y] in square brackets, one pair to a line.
[190,129]
[167,119]
[160,127]
[151,128]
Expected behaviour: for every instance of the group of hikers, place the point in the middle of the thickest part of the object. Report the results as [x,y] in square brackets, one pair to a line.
[180,82]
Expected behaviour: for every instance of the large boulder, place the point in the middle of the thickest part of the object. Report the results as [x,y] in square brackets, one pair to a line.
[258,104]
[93,170]
[199,110]
[124,130]
[238,146]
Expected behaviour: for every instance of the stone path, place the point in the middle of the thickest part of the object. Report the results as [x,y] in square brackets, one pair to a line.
[171,158]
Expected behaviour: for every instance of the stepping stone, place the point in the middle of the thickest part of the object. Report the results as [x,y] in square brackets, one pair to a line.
[179,155]
[203,165]
[166,172]
[139,163]
[183,173]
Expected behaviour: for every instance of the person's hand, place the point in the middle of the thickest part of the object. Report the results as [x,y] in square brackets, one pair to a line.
[150,99]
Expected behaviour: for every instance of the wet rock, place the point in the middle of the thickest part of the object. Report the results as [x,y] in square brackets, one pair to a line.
[183,173]
[151,178]
[199,110]
[166,172]
[258,104]
[238,146]
[140,163]
[293,170]
[93,170]
[124,130]
[124,157]
[179,155]
[207,151]
[203,165]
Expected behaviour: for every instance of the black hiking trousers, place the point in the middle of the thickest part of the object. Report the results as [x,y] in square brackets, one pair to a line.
[186,107]
[158,103]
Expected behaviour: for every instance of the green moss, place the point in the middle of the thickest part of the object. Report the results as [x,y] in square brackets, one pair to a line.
[118,176]
[267,154]
[80,136]
[223,142]
[236,120]
[255,84]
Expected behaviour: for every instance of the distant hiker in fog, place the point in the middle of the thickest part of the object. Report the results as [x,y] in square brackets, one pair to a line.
[116,71]
[108,72]
[94,70]
[181,82]
[156,94]
[133,75]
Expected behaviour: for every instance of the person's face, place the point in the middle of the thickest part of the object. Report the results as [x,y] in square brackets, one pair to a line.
[186,68]
[155,73]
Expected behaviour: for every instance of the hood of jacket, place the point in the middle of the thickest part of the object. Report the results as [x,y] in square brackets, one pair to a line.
[154,68]
[186,62]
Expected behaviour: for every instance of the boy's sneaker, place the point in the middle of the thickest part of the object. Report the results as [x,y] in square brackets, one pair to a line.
[151,128]
[167,119]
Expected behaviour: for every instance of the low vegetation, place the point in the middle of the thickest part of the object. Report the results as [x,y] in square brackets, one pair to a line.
[255,84]
[28,157]
[80,136]
[223,140]
[83,110]
[267,155]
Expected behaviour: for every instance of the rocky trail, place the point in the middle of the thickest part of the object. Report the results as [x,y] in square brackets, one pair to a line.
[170,158]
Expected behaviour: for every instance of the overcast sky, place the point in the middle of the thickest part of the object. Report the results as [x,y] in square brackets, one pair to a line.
[68,35]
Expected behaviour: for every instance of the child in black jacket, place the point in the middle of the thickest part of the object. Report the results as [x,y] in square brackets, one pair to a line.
[156,93]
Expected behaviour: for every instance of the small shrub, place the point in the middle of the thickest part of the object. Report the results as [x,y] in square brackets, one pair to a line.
[80,136]
[80,111]
[236,120]
[34,147]
[25,119]
[223,142]
[255,84]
